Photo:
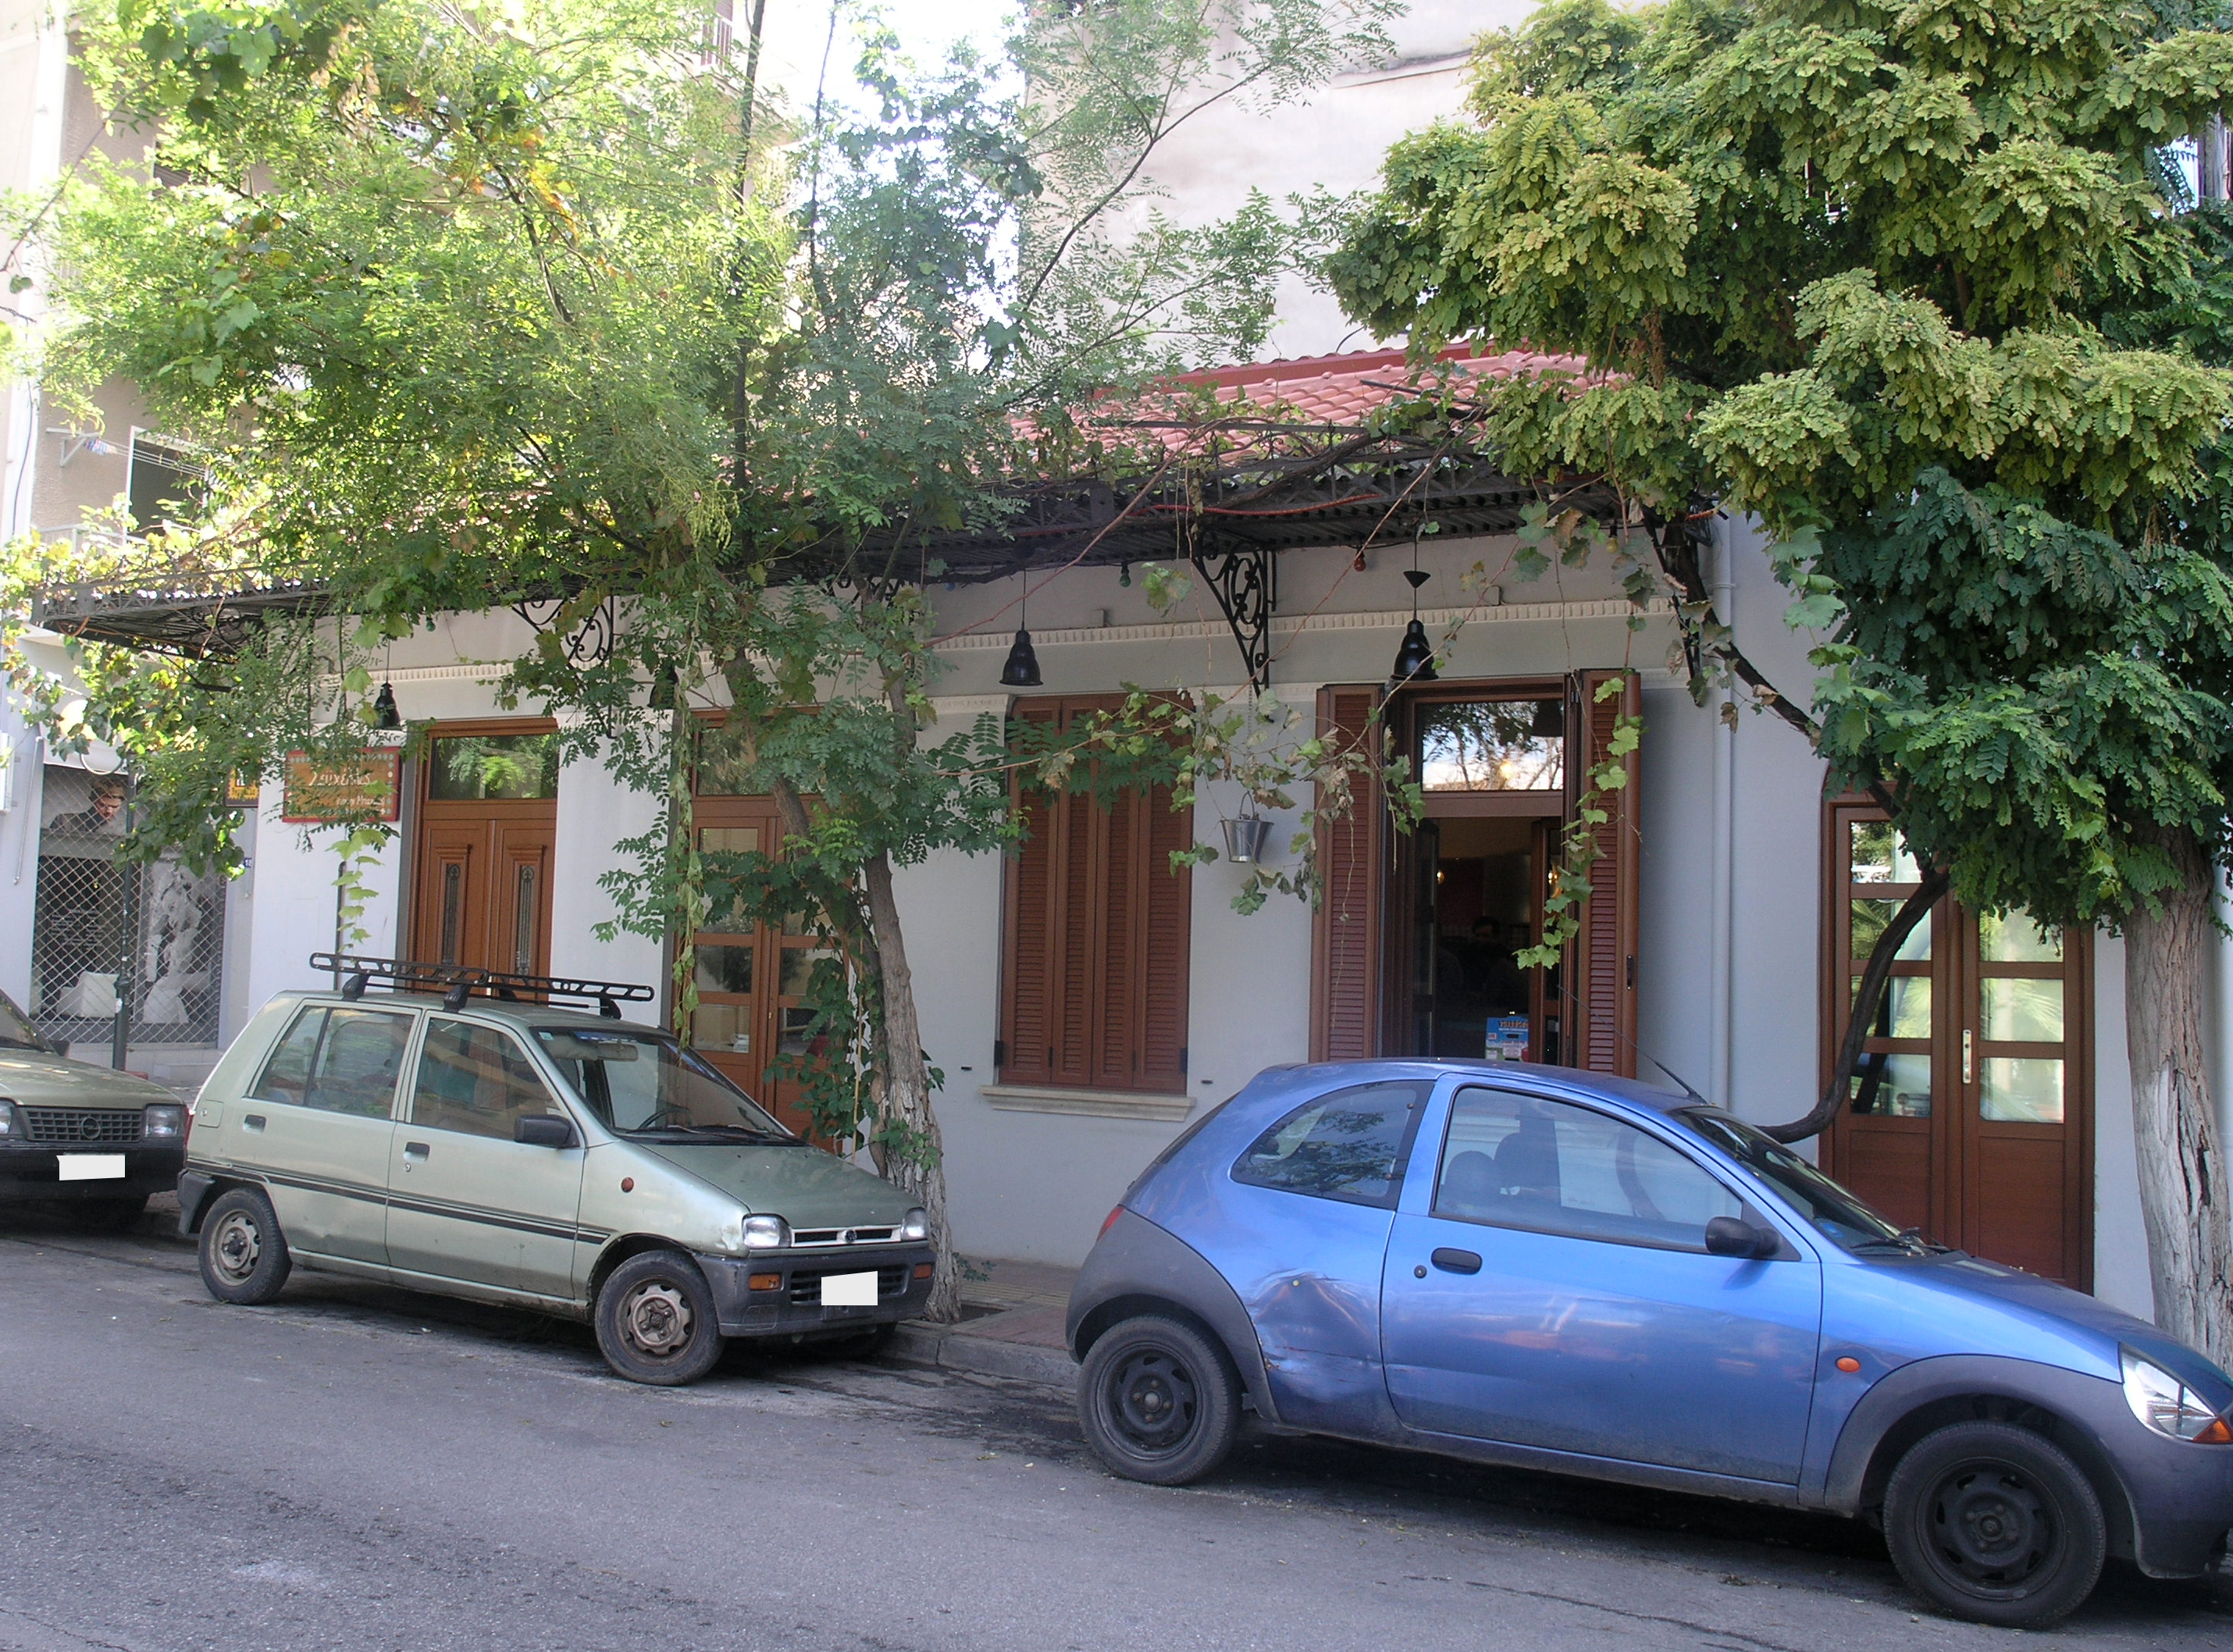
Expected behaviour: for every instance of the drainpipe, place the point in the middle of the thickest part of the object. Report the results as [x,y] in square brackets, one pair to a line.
[1722,964]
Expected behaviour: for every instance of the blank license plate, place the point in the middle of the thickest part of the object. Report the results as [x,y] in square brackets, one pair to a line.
[94,1167]
[847,1290]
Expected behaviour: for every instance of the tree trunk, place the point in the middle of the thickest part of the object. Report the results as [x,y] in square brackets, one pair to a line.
[907,1087]
[2182,1182]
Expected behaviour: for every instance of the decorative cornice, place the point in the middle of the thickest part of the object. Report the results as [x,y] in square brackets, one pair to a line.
[1617,608]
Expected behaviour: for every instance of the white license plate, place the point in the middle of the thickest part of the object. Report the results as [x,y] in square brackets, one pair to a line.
[92,1166]
[848,1290]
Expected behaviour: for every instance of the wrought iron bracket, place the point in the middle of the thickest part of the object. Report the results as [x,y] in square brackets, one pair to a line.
[589,643]
[1245,583]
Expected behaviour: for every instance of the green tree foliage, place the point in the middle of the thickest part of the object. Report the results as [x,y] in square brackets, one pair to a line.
[1913,286]
[467,306]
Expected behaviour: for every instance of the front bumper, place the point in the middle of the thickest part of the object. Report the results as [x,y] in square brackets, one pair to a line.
[35,1173]
[794,1305]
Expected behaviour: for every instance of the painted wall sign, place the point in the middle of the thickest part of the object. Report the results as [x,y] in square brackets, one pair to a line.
[362,788]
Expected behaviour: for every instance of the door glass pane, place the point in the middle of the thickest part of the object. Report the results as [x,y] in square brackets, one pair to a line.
[1519,1161]
[2018,1009]
[523,918]
[1905,1012]
[2018,1090]
[477,1081]
[454,908]
[723,1026]
[724,969]
[359,1062]
[1344,1146]
[796,1038]
[1880,855]
[797,965]
[1892,1087]
[1494,746]
[474,766]
[1872,918]
[2016,940]
[729,840]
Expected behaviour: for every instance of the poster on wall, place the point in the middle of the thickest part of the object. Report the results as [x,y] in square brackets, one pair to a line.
[367,786]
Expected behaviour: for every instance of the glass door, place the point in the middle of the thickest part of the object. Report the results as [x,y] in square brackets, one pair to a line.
[1969,1114]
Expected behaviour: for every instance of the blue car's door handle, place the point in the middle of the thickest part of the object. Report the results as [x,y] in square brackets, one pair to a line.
[1452,1261]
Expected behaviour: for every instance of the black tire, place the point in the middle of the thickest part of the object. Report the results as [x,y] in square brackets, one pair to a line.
[244,1255]
[1994,1524]
[1158,1401]
[110,1215]
[656,1322]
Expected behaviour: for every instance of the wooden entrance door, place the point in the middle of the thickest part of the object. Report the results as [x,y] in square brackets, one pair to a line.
[488,821]
[1971,1112]
[752,976]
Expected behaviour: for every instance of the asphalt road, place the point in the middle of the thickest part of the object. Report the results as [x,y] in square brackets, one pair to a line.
[361,1468]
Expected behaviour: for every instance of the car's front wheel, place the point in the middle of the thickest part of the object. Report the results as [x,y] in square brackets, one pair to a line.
[1158,1401]
[1995,1523]
[656,1322]
[244,1255]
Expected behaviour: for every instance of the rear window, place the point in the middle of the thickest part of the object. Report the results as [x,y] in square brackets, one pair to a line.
[1349,1146]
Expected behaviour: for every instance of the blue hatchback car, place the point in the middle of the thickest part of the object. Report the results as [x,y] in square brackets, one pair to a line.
[1549,1269]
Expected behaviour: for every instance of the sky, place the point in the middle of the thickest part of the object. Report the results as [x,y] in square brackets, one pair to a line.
[795,34]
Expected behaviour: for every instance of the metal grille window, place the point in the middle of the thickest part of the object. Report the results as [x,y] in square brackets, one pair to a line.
[117,946]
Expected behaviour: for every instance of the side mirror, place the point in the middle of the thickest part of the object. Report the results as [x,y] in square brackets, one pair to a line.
[549,1130]
[1734,1236]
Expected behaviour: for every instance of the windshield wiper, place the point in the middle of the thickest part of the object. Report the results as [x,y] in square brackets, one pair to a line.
[1908,1241]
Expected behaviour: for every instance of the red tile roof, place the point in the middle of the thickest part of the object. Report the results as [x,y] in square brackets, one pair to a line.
[1342,389]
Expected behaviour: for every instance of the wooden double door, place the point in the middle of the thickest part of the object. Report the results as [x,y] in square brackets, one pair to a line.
[752,975]
[1969,1116]
[487,824]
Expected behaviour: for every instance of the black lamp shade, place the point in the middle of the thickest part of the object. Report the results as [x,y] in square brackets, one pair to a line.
[1414,657]
[1022,669]
[384,714]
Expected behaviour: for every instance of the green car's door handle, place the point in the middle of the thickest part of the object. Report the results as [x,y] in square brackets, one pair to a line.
[251,1121]
[415,1150]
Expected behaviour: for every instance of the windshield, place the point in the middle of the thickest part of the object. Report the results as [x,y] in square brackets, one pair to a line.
[642,1084]
[17,1031]
[1835,1213]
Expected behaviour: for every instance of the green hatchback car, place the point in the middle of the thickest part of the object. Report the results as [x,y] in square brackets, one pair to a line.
[497,1150]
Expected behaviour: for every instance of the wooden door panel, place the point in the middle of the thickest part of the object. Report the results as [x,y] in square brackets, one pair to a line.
[519,898]
[1887,1161]
[451,919]
[2016,1205]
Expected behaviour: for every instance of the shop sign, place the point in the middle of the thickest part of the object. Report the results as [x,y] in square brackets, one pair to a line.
[365,787]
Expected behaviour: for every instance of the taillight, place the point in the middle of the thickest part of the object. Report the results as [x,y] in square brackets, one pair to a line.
[1112,1220]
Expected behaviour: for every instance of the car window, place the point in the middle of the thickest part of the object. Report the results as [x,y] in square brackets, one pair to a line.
[1348,1146]
[286,1074]
[476,1080]
[358,1061]
[17,1031]
[646,1084]
[1554,1167]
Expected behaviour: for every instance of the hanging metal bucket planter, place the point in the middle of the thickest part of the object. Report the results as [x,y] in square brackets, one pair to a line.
[1245,838]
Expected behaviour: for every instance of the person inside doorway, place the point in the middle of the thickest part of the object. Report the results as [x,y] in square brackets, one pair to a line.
[101,817]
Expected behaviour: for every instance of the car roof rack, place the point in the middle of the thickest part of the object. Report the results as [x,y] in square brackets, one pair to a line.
[459,982]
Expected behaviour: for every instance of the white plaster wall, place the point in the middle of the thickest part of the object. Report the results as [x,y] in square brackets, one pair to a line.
[595,812]
[2120,1240]
[19,851]
[293,913]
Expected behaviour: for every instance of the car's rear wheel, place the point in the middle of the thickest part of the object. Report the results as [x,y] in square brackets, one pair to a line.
[1158,1401]
[1995,1523]
[656,1322]
[244,1255]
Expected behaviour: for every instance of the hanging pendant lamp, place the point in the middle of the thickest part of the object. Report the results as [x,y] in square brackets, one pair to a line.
[1414,655]
[1022,668]
[384,713]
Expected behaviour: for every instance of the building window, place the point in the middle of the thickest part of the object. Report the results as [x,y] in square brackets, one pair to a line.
[1094,983]
[165,481]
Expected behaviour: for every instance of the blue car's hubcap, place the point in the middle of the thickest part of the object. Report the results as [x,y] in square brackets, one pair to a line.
[1151,1401]
[1992,1530]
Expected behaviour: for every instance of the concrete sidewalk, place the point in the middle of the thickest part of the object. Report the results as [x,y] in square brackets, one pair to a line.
[1011,1324]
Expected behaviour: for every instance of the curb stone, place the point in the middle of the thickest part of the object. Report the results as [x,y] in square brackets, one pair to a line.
[951,1347]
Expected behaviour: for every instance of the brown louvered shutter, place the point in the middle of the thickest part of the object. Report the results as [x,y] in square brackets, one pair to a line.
[1166,898]
[1094,987]
[1346,931]
[1602,964]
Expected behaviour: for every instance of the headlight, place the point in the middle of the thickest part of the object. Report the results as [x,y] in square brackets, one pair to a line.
[11,1121]
[915,1225]
[165,1118]
[2168,1406]
[766,1232]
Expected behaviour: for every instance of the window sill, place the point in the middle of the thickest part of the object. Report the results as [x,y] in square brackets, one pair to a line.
[1091,1103]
